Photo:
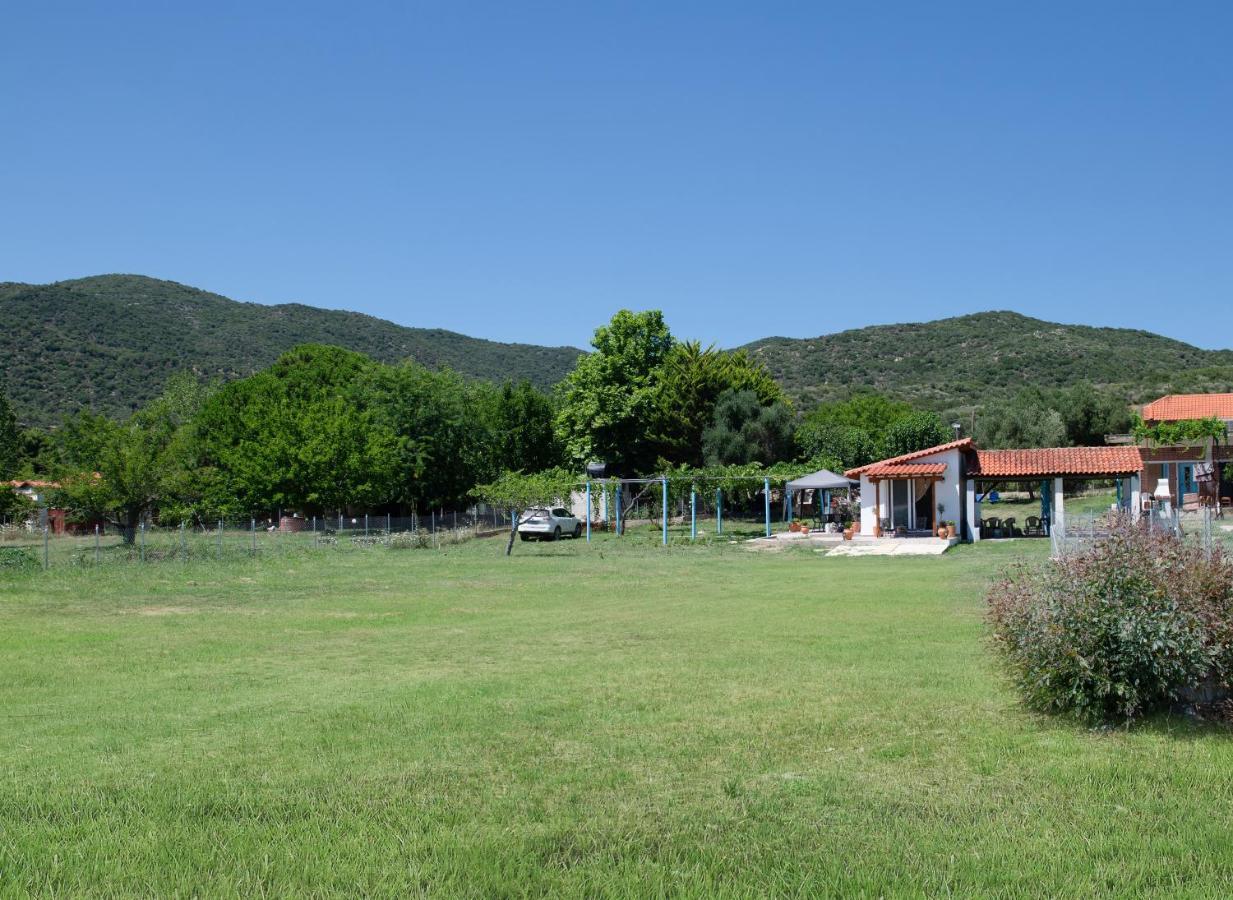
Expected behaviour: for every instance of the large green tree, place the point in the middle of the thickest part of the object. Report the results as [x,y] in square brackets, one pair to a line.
[607,409]
[123,471]
[10,438]
[1028,420]
[299,435]
[688,385]
[917,431]
[744,430]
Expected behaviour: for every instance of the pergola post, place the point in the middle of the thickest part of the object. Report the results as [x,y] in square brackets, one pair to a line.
[1059,507]
[693,514]
[970,503]
[1136,498]
[616,496]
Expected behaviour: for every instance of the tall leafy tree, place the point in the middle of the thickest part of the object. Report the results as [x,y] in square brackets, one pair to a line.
[917,431]
[123,471]
[607,409]
[300,435]
[520,419]
[1028,420]
[744,430]
[10,438]
[688,385]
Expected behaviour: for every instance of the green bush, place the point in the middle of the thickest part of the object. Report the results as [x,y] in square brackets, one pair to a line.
[1128,625]
[17,559]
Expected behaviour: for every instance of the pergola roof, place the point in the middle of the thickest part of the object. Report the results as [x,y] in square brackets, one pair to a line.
[1057,461]
[908,457]
[1042,462]
[905,470]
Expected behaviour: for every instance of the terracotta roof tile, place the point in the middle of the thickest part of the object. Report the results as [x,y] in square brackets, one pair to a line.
[1175,407]
[905,470]
[1055,461]
[907,457]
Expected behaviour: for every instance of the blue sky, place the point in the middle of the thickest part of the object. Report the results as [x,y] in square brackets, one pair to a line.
[518,171]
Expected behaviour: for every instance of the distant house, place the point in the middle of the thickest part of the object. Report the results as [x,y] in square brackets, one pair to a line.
[1195,472]
[34,491]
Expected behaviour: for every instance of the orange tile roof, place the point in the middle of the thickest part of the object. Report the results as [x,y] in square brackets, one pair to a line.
[39,484]
[1055,461]
[905,470]
[1175,407]
[907,457]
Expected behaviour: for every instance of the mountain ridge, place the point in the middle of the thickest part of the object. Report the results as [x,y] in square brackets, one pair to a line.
[108,343]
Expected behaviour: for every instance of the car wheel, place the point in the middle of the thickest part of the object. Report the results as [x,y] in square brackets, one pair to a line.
[525,537]
[577,532]
[556,533]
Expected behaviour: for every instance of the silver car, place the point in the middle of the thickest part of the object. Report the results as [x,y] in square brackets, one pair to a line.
[546,524]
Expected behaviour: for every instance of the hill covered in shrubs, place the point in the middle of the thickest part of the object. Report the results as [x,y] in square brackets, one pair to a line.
[109,343]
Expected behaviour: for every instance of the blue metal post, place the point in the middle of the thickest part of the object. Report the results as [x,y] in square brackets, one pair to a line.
[789,500]
[766,494]
[616,493]
[588,510]
[719,510]
[665,517]
[1044,506]
[693,514]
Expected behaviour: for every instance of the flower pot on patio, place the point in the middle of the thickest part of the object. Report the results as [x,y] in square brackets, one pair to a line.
[794,526]
[941,531]
[950,529]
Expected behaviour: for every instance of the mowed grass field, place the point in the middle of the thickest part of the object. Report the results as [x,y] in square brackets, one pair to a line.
[607,720]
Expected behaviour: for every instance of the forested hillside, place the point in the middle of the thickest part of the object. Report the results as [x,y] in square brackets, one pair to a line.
[955,364]
[109,343]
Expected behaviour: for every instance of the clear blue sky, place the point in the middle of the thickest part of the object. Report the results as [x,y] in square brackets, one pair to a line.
[520,170]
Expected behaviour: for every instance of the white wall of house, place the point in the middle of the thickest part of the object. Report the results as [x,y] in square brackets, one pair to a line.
[948,492]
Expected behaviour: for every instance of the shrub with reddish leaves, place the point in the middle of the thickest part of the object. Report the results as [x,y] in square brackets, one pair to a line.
[1123,627]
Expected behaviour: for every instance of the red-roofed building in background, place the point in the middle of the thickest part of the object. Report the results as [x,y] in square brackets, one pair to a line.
[914,493]
[1198,472]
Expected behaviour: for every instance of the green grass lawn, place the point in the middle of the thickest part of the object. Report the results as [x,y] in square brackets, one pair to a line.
[614,719]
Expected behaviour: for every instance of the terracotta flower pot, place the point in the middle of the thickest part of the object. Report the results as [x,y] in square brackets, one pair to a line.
[794,526]
[950,531]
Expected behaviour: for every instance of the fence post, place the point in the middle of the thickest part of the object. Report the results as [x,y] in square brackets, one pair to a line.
[142,525]
[365,524]
[616,493]
[220,538]
[766,490]
[388,529]
[252,528]
[588,510]
[46,557]
[719,510]
[665,511]
[96,548]
[693,514]
[183,542]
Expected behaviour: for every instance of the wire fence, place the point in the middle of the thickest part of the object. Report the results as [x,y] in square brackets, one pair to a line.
[32,545]
[1207,527]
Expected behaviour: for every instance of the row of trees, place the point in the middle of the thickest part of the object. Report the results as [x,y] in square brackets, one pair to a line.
[325,429]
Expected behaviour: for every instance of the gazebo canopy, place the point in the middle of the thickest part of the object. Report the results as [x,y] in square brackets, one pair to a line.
[822,480]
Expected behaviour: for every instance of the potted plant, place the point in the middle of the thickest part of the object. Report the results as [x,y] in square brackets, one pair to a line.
[804,528]
[794,525]
[941,530]
[950,529]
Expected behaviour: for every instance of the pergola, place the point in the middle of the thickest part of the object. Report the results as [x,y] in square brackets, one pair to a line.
[1052,466]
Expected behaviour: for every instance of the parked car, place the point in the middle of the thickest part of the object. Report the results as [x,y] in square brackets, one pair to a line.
[546,524]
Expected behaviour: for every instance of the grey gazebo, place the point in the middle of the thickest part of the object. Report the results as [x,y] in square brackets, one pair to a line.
[823,481]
